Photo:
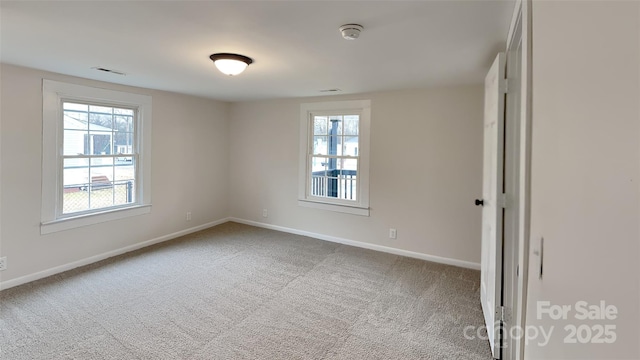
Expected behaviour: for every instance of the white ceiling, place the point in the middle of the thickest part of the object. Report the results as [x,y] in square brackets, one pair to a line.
[296,45]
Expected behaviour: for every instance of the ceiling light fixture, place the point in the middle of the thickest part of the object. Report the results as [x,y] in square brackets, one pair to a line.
[230,64]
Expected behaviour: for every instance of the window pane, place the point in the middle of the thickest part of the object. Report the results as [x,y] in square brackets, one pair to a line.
[320,145]
[332,165]
[75,106]
[101,178]
[335,125]
[334,177]
[101,195]
[332,187]
[124,180]
[75,172]
[73,142]
[75,120]
[100,122]
[349,164]
[123,143]
[319,164]
[119,111]
[124,192]
[123,123]
[100,142]
[99,182]
[347,185]
[350,146]
[102,166]
[351,124]
[75,179]
[124,169]
[100,109]
[320,125]
[346,179]
[318,175]
[318,185]
[334,145]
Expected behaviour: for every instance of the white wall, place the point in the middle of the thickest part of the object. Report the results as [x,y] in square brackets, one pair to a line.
[426,170]
[217,159]
[189,173]
[585,198]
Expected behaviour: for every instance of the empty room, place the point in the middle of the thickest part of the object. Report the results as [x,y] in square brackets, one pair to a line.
[436,179]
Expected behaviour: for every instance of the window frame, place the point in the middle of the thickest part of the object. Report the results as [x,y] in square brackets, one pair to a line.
[54,93]
[352,107]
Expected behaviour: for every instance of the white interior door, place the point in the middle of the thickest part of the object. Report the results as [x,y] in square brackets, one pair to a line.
[492,201]
[512,226]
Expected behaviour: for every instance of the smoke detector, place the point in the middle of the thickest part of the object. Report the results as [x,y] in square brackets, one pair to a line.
[350,31]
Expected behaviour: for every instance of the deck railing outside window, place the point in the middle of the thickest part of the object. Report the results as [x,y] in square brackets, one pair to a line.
[340,184]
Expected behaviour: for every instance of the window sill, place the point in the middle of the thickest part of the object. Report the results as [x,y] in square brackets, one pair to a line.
[90,219]
[362,211]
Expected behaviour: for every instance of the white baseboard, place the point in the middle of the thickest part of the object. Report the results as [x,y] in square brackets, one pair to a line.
[92,259]
[395,251]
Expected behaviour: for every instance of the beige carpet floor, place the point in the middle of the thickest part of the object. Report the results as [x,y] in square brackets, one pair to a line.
[241,292]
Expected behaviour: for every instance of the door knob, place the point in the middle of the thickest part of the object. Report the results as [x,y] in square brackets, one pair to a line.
[479,202]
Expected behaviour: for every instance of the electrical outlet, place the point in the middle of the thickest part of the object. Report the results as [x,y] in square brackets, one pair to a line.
[188,217]
[393,233]
[265,213]
[3,263]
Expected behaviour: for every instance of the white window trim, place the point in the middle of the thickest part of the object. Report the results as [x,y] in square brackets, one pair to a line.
[362,107]
[53,92]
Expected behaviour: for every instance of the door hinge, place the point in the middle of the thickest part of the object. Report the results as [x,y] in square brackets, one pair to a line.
[502,200]
[503,314]
[503,85]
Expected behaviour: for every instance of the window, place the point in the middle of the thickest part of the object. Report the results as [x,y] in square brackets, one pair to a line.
[96,155]
[334,156]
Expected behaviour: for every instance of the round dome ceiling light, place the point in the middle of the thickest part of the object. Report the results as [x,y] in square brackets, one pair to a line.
[230,64]
[350,31]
